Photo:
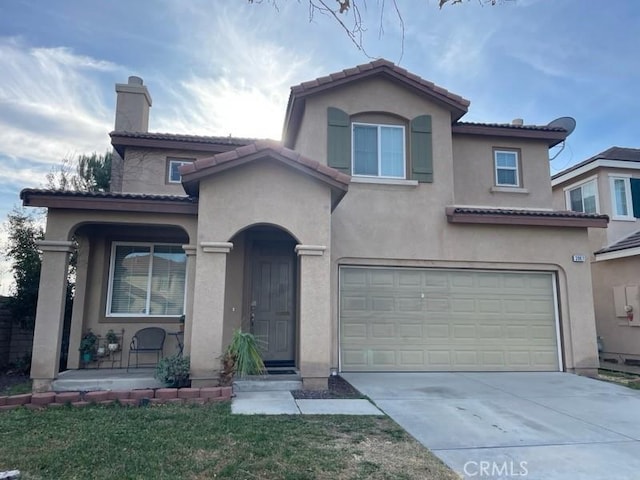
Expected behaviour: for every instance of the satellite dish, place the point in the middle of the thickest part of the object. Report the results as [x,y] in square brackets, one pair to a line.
[567,123]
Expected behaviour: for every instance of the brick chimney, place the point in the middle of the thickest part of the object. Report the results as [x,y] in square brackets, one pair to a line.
[132,106]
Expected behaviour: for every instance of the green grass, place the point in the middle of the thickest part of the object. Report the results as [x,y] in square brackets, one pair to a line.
[17,389]
[176,442]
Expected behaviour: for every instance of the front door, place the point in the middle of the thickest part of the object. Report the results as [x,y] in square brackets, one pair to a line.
[272,300]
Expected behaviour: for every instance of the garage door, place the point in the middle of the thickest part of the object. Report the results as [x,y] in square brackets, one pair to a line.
[401,319]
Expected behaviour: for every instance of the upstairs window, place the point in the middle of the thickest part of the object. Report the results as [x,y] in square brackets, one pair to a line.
[621,198]
[506,168]
[583,198]
[378,150]
[173,166]
[625,197]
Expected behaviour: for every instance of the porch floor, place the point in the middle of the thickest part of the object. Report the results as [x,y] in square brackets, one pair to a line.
[86,380]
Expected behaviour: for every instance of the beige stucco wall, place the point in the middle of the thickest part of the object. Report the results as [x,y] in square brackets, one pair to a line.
[407,226]
[266,192]
[145,170]
[617,333]
[617,229]
[97,231]
[377,95]
[474,173]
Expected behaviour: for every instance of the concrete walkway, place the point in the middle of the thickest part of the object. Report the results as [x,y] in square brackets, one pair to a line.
[534,426]
[283,403]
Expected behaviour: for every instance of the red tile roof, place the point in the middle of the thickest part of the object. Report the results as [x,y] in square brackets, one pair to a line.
[109,201]
[29,192]
[505,216]
[456,104]
[193,172]
[178,137]
[366,69]
[632,241]
[542,128]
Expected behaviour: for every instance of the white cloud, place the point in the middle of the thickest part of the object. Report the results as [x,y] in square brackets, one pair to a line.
[50,102]
[241,89]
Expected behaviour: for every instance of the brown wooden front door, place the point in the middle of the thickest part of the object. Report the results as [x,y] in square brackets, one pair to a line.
[272,300]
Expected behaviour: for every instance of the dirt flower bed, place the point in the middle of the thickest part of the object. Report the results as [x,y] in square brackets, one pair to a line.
[338,388]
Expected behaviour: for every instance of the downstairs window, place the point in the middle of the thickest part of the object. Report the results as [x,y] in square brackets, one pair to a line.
[146,279]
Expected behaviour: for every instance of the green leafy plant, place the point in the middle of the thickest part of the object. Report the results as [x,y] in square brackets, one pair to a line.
[88,343]
[173,371]
[242,357]
[111,337]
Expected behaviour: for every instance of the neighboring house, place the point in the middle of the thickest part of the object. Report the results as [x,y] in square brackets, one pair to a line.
[382,234]
[609,183]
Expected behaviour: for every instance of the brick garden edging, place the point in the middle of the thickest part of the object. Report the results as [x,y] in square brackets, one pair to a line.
[133,398]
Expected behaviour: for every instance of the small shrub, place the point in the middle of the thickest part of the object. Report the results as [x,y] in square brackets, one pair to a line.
[173,371]
[243,355]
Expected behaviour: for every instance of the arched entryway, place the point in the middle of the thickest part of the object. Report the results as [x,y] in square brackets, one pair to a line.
[269,291]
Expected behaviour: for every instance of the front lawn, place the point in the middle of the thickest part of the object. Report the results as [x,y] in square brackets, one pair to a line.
[176,442]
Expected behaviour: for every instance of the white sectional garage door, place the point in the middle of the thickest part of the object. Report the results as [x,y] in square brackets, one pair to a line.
[402,319]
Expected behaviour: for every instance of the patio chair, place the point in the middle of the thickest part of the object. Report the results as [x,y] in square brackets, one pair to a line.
[146,341]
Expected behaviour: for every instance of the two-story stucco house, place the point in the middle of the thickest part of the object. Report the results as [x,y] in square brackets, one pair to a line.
[609,183]
[381,234]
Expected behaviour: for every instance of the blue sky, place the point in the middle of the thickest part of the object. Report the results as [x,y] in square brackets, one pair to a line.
[222,67]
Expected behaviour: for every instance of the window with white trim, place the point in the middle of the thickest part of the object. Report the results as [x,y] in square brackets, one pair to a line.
[506,167]
[621,202]
[146,279]
[173,172]
[378,150]
[583,198]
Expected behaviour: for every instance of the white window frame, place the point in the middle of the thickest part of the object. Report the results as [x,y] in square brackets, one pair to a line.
[180,162]
[629,217]
[112,262]
[379,126]
[515,169]
[567,192]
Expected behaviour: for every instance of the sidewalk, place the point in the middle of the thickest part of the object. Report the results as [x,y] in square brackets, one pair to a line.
[283,403]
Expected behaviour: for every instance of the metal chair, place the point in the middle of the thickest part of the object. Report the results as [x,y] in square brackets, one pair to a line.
[145,341]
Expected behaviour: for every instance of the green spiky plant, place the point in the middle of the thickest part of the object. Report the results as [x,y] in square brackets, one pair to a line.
[243,357]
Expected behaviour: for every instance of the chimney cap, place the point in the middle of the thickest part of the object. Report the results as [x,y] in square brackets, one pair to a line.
[133,80]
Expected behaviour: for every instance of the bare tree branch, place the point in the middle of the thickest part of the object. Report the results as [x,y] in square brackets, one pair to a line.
[355,33]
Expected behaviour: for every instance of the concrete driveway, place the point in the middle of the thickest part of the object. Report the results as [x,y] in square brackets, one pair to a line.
[542,426]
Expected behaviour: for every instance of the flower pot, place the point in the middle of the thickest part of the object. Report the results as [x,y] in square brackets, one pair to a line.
[101,351]
[113,347]
[86,357]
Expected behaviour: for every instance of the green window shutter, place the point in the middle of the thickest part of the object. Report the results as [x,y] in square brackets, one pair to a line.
[339,140]
[421,149]
[635,196]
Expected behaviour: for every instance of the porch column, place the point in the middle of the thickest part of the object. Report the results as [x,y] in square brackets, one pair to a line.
[77,314]
[315,316]
[190,251]
[47,335]
[208,313]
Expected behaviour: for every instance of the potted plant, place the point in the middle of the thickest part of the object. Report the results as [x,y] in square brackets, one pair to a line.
[88,346]
[112,341]
[173,371]
[242,357]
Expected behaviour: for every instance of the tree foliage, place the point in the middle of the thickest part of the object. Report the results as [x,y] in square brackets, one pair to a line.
[88,173]
[24,232]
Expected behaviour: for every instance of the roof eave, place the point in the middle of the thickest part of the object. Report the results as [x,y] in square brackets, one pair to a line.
[72,202]
[524,220]
[121,142]
[552,138]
